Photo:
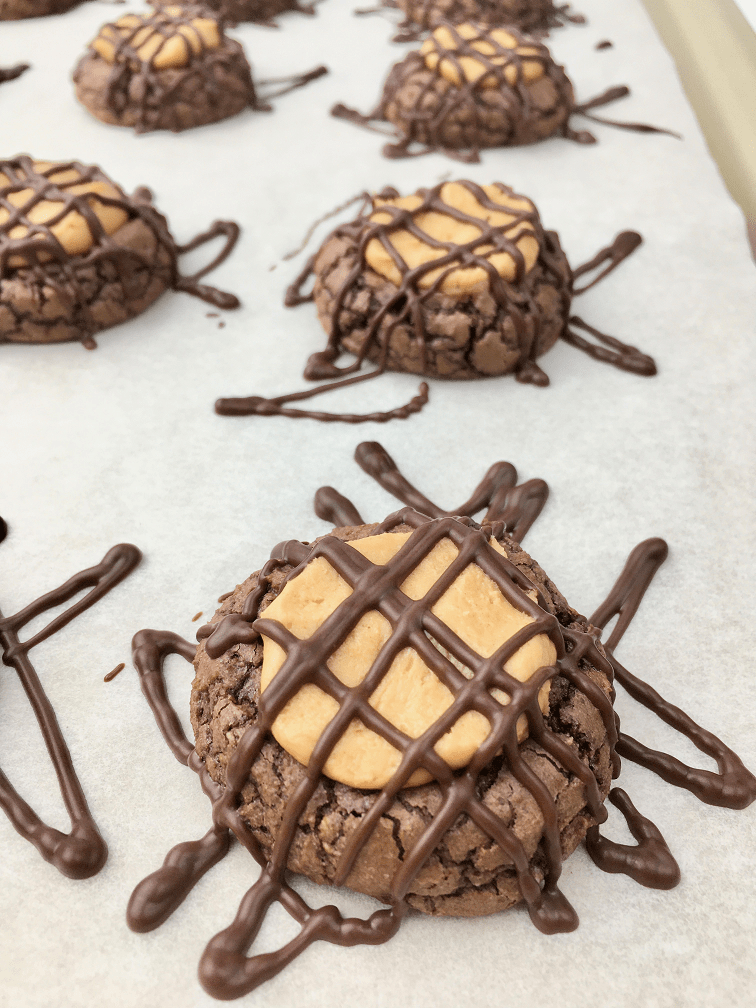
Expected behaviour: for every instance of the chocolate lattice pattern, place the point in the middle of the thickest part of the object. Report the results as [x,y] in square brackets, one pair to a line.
[226,970]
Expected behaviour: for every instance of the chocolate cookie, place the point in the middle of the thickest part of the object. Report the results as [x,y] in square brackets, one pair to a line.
[259,11]
[465,873]
[77,255]
[471,86]
[170,69]
[527,15]
[17,10]
[460,281]
[338,650]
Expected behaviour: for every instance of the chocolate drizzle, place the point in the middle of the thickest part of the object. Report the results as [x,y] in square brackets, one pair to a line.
[11,73]
[534,16]
[226,970]
[82,852]
[406,307]
[457,119]
[734,786]
[48,264]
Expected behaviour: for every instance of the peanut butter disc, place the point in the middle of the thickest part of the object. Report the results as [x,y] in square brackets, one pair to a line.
[499,48]
[442,233]
[69,228]
[156,39]
[410,695]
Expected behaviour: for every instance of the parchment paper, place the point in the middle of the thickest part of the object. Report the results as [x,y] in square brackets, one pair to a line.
[122,444]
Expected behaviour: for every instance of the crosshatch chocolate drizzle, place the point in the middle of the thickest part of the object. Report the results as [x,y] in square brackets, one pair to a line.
[226,970]
[82,852]
[40,249]
[407,305]
[423,131]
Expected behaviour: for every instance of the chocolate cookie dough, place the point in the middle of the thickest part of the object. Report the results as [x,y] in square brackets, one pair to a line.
[171,69]
[471,86]
[17,10]
[465,875]
[527,15]
[77,255]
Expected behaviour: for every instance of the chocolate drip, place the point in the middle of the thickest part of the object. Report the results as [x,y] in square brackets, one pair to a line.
[733,786]
[516,507]
[422,128]
[650,863]
[621,355]
[623,245]
[11,73]
[230,231]
[612,94]
[258,406]
[292,82]
[333,508]
[82,852]
[50,265]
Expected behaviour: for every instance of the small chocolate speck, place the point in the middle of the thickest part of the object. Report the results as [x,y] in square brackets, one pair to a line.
[221,325]
[271,268]
[114,673]
[195,618]
[605,44]
[211,314]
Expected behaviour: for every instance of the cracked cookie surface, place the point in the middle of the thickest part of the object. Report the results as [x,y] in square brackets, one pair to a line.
[471,336]
[467,874]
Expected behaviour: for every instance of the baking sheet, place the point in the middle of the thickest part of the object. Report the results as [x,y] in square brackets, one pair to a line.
[122,444]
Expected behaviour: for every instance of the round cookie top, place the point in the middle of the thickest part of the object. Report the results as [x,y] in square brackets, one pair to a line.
[166,38]
[64,205]
[410,695]
[482,56]
[472,230]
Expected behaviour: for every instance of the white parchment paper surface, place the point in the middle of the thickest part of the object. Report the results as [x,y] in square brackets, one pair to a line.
[121,444]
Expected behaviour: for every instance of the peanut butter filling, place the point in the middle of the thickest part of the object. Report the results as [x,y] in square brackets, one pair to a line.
[69,227]
[410,695]
[499,48]
[436,234]
[156,39]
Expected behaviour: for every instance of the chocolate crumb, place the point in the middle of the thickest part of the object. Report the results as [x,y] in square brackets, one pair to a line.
[212,314]
[196,617]
[221,325]
[605,44]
